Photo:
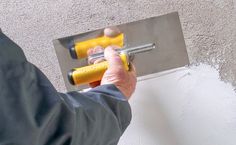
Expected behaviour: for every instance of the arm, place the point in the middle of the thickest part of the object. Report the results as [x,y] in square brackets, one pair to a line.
[33,112]
[103,113]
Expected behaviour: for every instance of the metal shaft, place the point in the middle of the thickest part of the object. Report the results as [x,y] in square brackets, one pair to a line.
[129,51]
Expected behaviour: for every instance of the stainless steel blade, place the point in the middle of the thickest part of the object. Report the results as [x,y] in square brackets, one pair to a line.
[164,31]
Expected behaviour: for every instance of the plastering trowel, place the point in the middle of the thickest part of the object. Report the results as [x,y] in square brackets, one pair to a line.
[153,45]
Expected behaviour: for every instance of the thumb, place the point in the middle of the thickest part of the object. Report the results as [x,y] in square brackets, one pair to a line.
[113,58]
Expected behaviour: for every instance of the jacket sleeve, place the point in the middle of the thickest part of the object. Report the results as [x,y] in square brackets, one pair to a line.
[32,112]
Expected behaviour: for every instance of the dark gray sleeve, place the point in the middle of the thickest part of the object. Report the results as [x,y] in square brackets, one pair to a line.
[32,112]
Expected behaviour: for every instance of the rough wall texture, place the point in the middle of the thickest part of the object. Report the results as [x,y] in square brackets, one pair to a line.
[209,27]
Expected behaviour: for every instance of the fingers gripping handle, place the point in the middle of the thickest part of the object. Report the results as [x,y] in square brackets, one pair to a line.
[80,49]
[93,73]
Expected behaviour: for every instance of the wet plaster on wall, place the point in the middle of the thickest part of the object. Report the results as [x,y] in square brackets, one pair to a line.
[190,106]
[208,27]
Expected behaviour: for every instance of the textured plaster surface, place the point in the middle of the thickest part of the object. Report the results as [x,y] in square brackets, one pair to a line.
[208,26]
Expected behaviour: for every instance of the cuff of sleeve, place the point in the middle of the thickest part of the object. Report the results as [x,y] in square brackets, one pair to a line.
[111,90]
[117,102]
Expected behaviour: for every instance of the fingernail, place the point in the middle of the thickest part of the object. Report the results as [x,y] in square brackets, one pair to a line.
[98,49]
[90,52]
[109,48]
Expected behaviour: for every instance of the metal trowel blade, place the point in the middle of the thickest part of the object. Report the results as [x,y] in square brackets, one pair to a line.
[164,31]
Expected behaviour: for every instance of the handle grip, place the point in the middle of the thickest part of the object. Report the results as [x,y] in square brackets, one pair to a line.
[93,73]
[80,49]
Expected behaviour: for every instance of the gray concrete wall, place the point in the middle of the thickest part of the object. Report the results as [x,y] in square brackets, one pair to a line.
[209,27]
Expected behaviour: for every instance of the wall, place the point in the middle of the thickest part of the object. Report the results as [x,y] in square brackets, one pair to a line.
[210,35]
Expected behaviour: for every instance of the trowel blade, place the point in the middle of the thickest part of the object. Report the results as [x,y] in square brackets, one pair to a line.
[165,31]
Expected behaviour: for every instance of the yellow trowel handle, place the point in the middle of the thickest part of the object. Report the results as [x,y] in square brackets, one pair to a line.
[93,73]
[80,48]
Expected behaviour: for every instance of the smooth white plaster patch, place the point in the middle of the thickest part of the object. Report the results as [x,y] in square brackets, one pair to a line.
[188,106]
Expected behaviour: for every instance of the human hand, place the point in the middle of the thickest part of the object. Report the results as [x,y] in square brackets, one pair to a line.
[116,74]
